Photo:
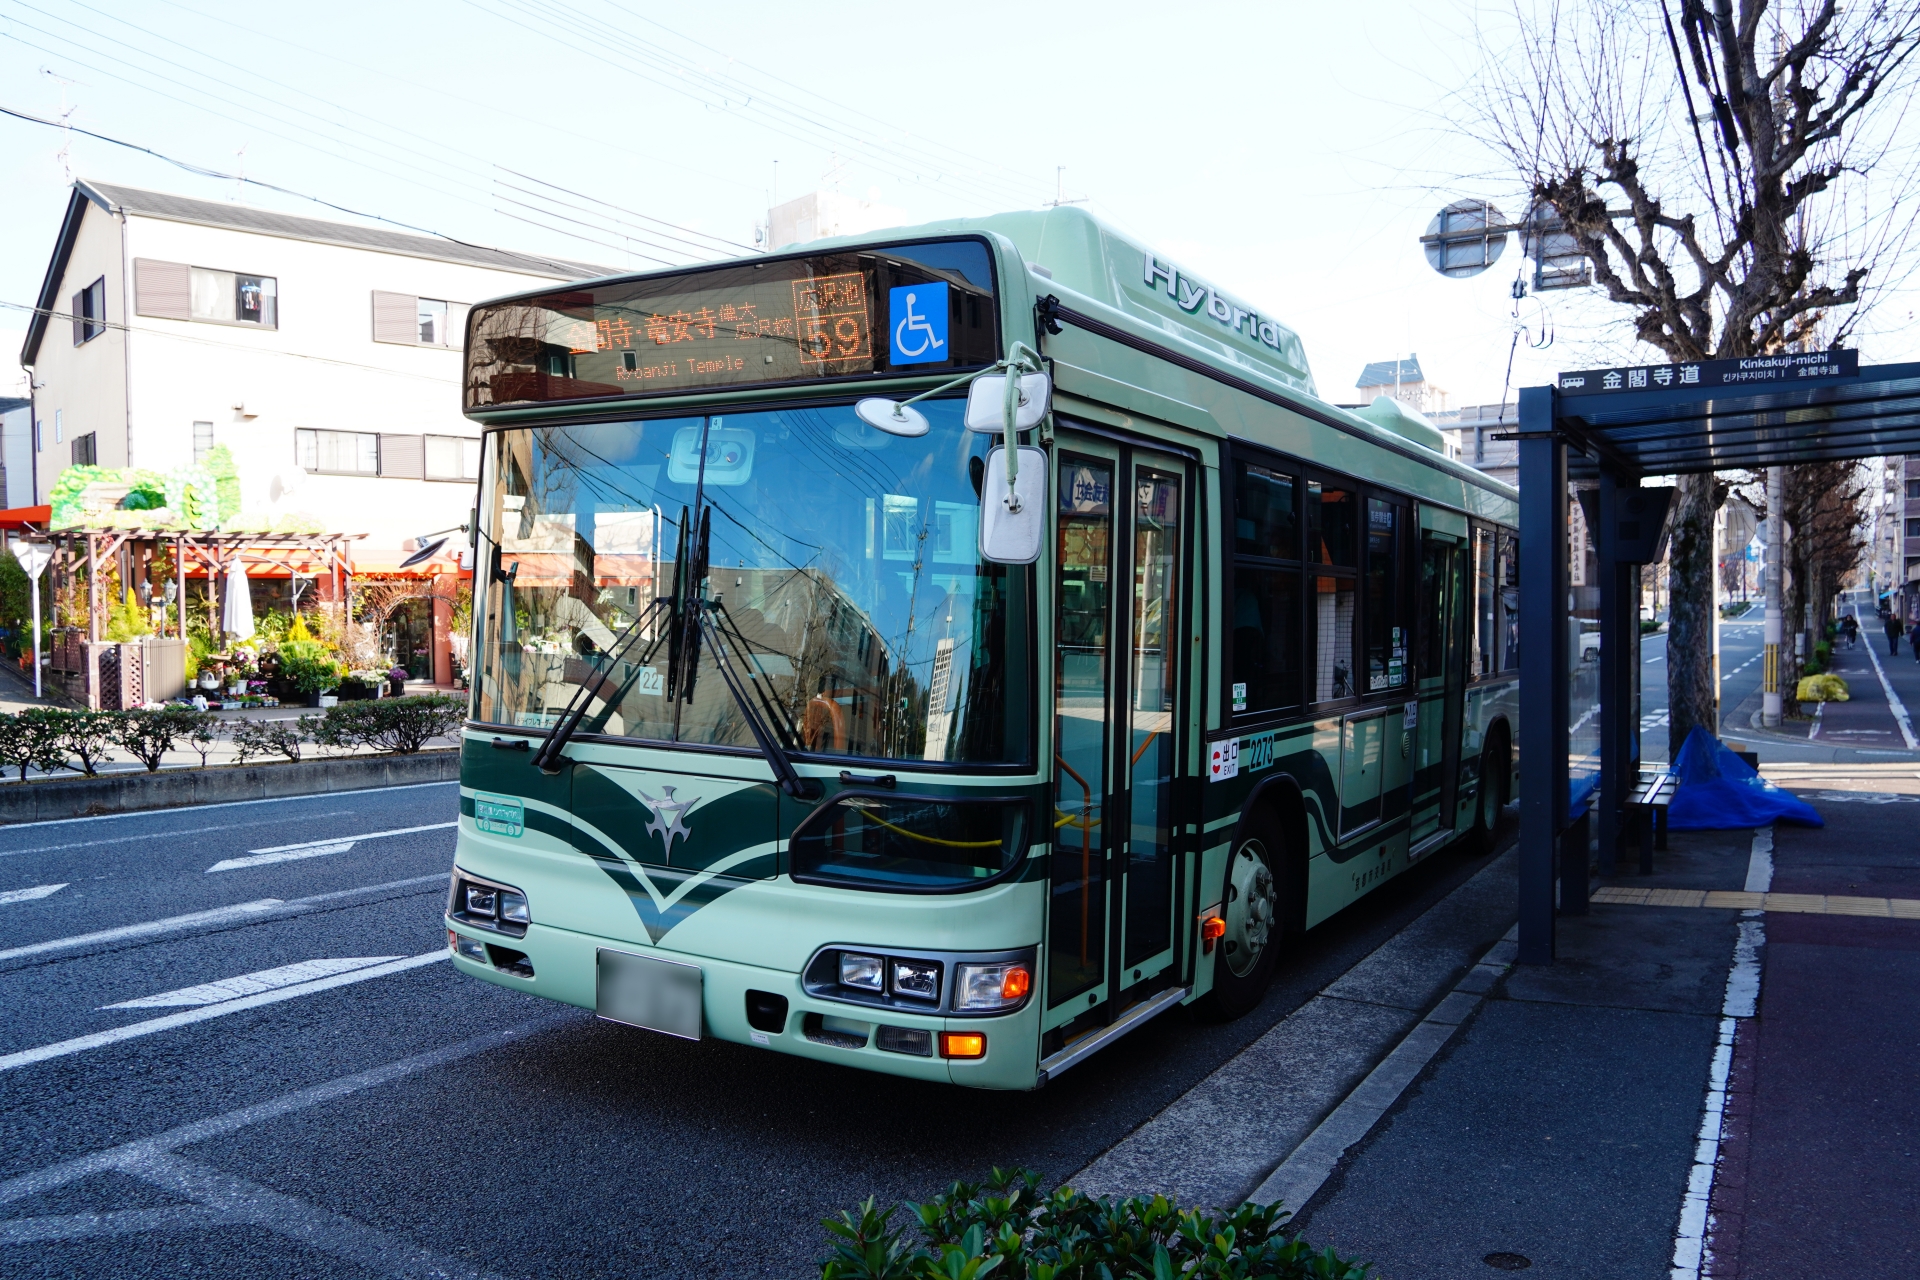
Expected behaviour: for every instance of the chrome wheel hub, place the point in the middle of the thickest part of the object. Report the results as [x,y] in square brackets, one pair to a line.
[1250,908]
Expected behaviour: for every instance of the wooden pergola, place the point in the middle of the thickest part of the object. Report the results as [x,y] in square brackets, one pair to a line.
[212,553]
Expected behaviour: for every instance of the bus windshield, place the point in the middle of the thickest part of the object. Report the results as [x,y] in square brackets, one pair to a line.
[843,574]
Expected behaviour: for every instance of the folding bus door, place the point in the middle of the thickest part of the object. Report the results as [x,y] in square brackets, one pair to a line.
[1121,681]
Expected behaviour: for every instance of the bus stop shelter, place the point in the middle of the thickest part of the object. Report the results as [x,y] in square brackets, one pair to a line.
[1620,427]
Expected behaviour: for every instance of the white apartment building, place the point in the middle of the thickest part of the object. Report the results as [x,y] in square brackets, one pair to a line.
[326,356]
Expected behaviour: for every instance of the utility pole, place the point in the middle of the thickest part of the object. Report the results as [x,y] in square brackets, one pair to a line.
[1776,594]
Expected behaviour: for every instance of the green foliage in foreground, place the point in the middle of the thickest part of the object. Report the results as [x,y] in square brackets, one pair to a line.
[1009,1229]
[399,725]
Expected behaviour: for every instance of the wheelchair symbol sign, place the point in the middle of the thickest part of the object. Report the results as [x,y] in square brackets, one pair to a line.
[918,314]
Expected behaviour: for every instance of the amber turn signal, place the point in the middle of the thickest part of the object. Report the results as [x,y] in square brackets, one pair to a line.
[1212,929]
[962,1044]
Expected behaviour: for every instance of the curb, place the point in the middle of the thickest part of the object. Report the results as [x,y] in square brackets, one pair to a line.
[49,799]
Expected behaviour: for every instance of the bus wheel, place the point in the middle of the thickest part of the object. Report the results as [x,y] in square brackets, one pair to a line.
[1253,905]
[1495,768]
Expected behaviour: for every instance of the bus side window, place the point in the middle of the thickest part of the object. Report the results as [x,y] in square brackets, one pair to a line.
[1481,654]
[1509,587]
[1265,656]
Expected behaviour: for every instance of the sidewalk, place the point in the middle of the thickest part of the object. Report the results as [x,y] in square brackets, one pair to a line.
[1568,1120]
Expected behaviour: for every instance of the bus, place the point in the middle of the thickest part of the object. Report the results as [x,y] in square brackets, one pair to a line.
[941,651]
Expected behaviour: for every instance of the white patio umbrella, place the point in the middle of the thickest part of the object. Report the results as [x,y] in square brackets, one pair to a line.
[236,615]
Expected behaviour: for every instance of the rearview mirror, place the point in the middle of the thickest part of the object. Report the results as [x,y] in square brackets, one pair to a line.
[1013,524]
[987,403]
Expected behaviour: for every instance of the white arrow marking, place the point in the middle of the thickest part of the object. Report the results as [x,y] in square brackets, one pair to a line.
[28,895]
[81,1044]
[247,984]
[317,848]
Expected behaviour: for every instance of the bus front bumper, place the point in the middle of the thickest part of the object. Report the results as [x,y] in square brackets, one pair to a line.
[565,967]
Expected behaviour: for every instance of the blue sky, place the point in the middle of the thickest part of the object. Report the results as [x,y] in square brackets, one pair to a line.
[1293,153]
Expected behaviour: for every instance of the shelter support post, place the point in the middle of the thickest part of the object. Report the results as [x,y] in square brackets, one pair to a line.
[1619,664]
[1776,566]
[1543,667]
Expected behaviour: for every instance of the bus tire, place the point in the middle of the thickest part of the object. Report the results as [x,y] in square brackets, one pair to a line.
[1496,776]
[1256,902]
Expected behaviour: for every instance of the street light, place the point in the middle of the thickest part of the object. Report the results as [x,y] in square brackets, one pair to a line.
[33,557]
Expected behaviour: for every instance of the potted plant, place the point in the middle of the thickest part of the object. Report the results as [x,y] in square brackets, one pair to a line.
[397,680]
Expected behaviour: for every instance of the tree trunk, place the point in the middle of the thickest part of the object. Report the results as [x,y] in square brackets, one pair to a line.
[1690,691]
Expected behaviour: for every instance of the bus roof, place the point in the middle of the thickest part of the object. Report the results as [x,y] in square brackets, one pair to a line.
[1083,254]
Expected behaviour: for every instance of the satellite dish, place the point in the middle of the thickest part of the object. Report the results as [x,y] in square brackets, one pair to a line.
[1558,260]
[1465,238]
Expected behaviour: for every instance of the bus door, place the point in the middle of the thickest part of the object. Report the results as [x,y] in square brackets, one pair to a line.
[1441,669]
[1121,680]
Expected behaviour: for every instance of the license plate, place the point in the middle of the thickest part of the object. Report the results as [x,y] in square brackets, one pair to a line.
[640,991]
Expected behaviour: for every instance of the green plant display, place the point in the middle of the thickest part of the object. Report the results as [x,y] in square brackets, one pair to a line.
[398,725]
[1009,1229]
[309,668]
[128,620]
[226,482]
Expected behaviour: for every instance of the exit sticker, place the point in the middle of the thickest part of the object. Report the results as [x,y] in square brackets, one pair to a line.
[1225,762]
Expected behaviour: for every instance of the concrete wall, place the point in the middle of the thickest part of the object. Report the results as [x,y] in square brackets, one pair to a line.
[53,798]
[86,386]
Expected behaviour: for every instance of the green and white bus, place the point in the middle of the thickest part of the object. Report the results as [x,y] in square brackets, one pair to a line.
[807,716]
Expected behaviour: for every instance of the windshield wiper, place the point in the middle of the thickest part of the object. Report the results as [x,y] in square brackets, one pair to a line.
[784,773]
[548,758]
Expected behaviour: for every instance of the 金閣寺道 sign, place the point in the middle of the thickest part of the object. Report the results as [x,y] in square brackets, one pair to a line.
[1795,366]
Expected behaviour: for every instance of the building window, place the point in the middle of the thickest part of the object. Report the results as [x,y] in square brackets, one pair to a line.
[202,440]
[90,312]
[1913,491]
[84,452]
[1913,528]
[235,298]
[452,458]
[59,425]
[353,453]
[433,322]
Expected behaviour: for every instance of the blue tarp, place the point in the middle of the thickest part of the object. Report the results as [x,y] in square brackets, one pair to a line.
[1718,791]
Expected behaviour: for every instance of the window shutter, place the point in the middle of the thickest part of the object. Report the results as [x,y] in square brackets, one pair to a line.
[79,310]
[457,324]
[402,457]
[396,318]
[162,289]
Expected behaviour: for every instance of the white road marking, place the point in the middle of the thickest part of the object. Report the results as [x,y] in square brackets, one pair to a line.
[317,848]
[1894,704]
[100,1039]
[261,909]
[1690,1256]
[151,1159]
[151,836]
[172,924]
[247,984]
[28,895]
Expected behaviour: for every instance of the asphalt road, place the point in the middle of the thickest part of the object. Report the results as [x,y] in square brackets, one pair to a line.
[382,1116]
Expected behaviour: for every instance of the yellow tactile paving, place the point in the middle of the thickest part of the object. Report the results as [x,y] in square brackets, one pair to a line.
[1819,904]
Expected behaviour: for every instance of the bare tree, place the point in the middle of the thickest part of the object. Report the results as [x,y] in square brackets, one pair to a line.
[1711,160]
[1825,504]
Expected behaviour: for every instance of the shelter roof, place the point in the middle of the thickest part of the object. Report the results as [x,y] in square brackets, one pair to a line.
[1682,431]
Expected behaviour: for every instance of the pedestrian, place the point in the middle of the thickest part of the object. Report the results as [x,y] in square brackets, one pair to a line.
[1913,638]
[1893,634]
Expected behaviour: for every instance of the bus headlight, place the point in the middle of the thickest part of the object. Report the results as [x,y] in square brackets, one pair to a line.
[916,979]
[485,904]
[864,973]
[983,987]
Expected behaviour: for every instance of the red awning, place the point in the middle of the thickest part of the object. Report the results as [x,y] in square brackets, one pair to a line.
[21,517]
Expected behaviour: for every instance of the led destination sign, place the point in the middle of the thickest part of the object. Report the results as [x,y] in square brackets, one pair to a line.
[790,320]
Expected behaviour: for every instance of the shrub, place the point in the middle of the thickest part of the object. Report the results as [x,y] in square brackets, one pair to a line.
[308,667]
[128,620]
[399,725]
[199,730]
[87,735]
[147,736]
[1008,1229]
[33,739]
[284,737]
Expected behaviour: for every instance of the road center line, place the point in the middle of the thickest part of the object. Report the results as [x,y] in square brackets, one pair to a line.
[258,911]
[153,1026]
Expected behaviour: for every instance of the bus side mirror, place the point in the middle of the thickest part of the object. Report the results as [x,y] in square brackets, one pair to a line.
[987,402]
[1013,521]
